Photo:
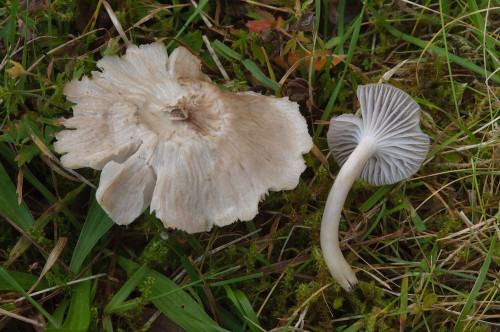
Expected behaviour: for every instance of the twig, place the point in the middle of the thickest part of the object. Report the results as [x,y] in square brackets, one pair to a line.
[19,317]
[60,286]
[215,57]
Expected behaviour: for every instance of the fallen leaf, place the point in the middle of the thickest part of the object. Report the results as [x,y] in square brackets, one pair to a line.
[297,89]
[319,61]
[258,26]
[306,21]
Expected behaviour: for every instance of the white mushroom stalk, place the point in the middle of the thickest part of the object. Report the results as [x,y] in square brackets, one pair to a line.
[384,147]
[167,138]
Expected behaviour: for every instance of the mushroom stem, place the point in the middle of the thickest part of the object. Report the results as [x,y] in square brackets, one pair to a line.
[338,266]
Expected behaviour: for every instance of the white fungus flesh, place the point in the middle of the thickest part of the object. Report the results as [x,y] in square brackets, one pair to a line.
[390,122]
[166,137]
[383,147]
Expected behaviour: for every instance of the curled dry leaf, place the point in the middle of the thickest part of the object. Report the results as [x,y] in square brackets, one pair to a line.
[297,89]
[306,21]
[166,137]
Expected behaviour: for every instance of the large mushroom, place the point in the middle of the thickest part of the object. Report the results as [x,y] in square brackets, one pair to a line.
[166,137]
[384,147]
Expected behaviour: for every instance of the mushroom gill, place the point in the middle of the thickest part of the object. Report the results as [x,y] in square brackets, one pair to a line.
[166,137]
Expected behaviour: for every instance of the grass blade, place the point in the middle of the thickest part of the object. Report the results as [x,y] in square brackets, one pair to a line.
[78,317]
[370,202]
[439,51]
[259,75]
[8,278]
[126,289]
[224,50]
[25,280]
[350,54]
[178,305]
[193,15]
[241,302]
[58,314]
[18,213]
[477,286]
[96,225]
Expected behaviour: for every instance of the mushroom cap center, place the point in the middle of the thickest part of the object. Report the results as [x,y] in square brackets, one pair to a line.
[195,114]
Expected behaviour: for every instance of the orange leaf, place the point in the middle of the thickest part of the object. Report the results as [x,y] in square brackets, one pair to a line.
[279,61]
[268,22]
[319,61]
[258,26]
[280,22]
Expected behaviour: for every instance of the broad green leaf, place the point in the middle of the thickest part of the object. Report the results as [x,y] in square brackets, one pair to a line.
[25,280]
[78,317]
[355,327]
[96,225]
[332,42]
[224,50]
[259,75]
[429,301]
[26,154]
[415,219]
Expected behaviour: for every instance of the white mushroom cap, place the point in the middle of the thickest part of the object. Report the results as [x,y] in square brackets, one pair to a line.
[166,137]
[390,120]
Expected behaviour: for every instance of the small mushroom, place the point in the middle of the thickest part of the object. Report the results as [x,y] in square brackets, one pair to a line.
[166,137]
[384,147]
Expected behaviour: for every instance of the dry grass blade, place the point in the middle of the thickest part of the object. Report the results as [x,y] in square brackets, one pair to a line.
[69,283]
[21,318]
[309,299]
[321,157]
[153,13]
[54,255]
[32,241]
[52,157]
[116,23]
[215,58]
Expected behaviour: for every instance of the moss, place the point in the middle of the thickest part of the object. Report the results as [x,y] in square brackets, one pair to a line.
[444,225]
[305,291]
[155,254]
[251,257]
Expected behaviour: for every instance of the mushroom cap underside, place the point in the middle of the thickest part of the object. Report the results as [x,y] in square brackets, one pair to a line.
[390,119]
[165,137]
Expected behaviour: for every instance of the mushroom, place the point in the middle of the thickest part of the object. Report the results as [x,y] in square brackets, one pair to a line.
[384,147]
[166,137]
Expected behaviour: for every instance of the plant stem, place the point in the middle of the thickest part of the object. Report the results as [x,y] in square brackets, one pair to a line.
[339,268]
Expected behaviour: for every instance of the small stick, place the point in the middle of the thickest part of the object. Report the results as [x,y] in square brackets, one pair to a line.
[215,57]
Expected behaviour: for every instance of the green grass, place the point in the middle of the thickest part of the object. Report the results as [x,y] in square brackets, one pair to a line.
[425,250]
